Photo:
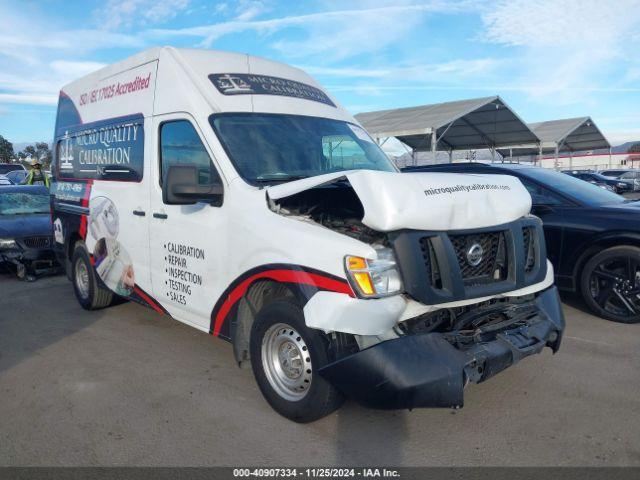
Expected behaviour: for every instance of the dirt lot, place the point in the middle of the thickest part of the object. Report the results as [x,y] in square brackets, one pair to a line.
[126,386]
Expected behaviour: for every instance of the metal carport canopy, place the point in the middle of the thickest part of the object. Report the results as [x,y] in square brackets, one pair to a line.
[466,124]
[568,134]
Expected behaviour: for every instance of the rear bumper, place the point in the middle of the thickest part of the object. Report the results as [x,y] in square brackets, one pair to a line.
[427,370]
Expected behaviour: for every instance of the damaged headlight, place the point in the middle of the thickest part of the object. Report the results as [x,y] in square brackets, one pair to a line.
[7,243]
[373,278]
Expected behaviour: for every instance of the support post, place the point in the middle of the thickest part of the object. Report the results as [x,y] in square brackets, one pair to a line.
[450,156]
[539,154]
[434,145]
[610,158]
[555,161]
[493,154]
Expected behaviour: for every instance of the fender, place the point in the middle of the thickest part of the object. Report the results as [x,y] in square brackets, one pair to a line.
[304,281]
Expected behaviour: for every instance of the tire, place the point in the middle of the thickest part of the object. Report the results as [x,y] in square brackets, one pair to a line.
[92,296]
[282,323]
[610,284]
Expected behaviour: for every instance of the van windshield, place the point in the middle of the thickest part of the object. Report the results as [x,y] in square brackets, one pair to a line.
[266,148]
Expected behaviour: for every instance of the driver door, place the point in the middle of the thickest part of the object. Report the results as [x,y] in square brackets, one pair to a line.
[187,242]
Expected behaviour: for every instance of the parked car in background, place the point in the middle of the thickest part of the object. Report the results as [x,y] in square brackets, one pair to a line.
[17,176]
[10,167]
[619,186]
[26,234]
[4,180]
[624,174]
[592,235]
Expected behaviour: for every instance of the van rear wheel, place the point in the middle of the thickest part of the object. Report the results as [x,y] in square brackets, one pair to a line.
[89,293]
[285,357]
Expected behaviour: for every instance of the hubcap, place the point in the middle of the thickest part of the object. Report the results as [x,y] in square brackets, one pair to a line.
[286,362]
[615,286]
[82,279]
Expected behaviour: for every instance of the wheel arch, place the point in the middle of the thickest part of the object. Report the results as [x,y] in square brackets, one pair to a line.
[611,239]
[258,295]
[233,314]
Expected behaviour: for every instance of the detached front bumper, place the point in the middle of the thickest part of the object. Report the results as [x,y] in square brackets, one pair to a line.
[36,260]
[427,370]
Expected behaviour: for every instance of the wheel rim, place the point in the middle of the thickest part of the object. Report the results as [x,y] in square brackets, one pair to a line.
[614,285]
[82,279]
[286,362]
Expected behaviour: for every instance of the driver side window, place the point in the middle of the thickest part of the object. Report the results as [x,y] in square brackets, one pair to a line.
[541,195]
[180,144]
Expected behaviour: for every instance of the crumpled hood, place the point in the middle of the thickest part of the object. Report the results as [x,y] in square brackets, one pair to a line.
[424,200]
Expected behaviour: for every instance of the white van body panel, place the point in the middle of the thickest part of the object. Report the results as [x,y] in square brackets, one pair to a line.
[243,235]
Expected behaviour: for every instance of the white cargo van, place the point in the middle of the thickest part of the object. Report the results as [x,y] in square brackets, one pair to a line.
[235,195]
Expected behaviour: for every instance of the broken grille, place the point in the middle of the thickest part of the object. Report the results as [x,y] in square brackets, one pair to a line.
[431,262]
[492,264]
[529,238]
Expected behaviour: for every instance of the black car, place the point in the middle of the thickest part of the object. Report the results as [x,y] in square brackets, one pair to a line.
[624,174]
[592,235]
[26,238]
[619,186]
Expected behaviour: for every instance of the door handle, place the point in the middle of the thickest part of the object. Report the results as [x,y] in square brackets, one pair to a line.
[162,216]
[139,213]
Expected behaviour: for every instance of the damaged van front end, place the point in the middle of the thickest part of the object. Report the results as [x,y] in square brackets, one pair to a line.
[423,368]
[458,290]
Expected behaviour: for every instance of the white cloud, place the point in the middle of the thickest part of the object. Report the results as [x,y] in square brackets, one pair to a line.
[71,69]
[127,13]
[338,33]
[250,9]
[566,47]
[29,99]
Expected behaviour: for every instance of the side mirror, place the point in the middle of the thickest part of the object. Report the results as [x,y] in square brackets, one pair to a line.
[180,186]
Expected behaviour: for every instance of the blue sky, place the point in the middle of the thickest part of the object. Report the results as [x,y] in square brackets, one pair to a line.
[546,59]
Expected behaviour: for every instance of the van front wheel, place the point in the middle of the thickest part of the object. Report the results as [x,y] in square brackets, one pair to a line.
[85,282]
[285,357]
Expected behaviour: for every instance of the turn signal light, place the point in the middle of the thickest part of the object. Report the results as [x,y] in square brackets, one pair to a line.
[373,278]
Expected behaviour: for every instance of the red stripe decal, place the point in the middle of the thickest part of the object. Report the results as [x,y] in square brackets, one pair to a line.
[85,203]
[285,276]
[83,226]
[148,299]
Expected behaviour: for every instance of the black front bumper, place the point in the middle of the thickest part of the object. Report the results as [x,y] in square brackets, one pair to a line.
[427,370]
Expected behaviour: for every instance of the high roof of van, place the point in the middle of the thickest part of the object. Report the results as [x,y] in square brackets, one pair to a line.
[164,80]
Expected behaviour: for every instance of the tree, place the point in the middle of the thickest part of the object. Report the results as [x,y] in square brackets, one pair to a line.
[40,150]
[44,153]
[6,150]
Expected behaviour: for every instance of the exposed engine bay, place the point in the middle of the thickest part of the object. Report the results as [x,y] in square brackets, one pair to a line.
[336,207]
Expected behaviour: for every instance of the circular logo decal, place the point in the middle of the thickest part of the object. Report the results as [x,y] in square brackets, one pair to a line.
[474,254]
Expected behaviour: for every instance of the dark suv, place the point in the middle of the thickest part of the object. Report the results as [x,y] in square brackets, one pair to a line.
[592,235]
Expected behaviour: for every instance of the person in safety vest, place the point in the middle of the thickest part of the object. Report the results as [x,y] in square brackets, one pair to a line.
[36,175]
